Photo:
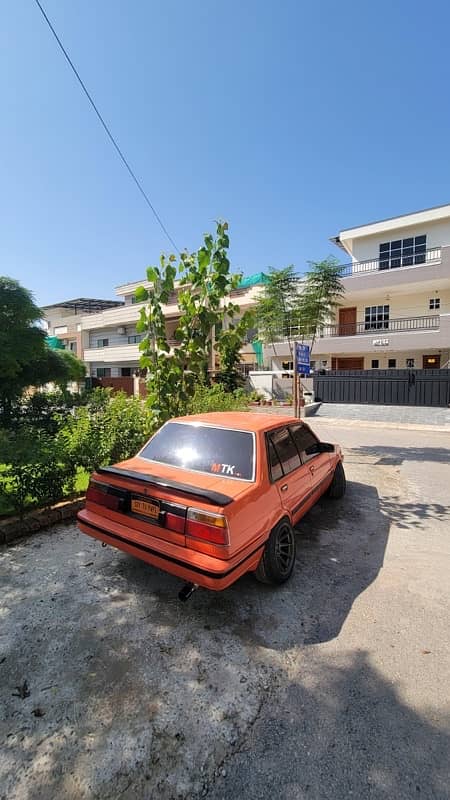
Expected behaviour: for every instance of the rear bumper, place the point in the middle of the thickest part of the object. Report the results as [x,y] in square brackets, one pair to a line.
[189,565]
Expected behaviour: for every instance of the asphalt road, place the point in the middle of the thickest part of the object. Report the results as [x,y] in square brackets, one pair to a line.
[334,686]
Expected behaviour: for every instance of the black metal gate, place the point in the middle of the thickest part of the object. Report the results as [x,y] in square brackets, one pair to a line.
[400,387]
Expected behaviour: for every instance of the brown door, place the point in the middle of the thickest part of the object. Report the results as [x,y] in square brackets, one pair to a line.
[350,363]
[431,362]
[347,321]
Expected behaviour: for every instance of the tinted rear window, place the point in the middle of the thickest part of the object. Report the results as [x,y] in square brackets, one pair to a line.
[202,448]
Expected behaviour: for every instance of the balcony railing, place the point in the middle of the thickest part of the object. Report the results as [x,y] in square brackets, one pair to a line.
[402,325]
[389,263]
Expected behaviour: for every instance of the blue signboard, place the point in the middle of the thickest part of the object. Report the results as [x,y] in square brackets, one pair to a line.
[302,359]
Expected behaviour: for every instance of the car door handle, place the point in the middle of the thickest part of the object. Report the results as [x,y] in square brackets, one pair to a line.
[284,487]
[312,469]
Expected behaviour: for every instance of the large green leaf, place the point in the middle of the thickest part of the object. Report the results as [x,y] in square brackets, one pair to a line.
[141,294]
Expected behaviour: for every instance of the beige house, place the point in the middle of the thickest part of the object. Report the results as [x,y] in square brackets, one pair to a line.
[396,308]
[63,320]
[111,342]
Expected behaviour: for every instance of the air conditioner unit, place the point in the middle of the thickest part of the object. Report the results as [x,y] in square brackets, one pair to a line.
[121,330]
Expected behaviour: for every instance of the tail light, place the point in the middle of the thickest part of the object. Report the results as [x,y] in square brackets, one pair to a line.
[207,526]
[175,522]
[98,493]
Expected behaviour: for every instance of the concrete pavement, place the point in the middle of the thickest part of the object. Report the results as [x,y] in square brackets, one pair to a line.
[333,686]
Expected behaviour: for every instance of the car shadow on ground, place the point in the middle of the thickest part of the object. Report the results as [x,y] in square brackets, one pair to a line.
[340,550]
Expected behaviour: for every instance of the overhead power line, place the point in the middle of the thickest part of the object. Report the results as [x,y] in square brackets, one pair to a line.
[106,128]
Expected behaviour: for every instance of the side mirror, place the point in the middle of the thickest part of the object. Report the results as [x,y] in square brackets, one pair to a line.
[326,447]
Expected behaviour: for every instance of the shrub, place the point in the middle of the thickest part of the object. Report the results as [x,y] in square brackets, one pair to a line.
[111,428]
[34,472]
[216,398]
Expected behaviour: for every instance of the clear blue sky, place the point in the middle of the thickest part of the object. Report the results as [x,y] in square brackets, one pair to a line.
[290,119]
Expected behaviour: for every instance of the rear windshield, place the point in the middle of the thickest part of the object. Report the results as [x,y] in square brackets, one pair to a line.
[202,448]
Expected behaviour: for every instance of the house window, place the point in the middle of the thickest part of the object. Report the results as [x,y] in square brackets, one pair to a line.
[435,302]
[103,372]
[287,365]
[410,363]
[392,363]
[125,372]
[376,317]
[134,339]
[102,342]
[375,363]
[73,347]
[403,252]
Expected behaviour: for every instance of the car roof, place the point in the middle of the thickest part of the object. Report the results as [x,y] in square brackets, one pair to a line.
[240,420]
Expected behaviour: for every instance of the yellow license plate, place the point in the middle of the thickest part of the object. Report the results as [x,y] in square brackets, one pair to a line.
[145,507]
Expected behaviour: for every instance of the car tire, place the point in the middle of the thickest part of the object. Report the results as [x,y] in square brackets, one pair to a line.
[339,483]
[278,559]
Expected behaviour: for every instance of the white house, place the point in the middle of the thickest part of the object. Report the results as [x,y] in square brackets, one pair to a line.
[396,308]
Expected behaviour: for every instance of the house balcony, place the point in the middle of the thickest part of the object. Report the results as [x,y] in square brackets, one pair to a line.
[433,255]
[118,353]
[112,355]
[402,334]
[403,325]
[407,272]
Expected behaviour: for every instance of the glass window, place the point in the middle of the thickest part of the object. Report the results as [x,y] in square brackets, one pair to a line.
[203,448]
[102,342]
[384,255]
[375,363]
[410,363]
[275,468]
[403,252]
[435,302]
[306,442]
[103,372]
[125,372]
[392,363]
[135,338]
[376,317]
[286,450]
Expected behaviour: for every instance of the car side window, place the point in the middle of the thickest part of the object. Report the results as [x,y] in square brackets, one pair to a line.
[275,468]
[307,443]
[286,450]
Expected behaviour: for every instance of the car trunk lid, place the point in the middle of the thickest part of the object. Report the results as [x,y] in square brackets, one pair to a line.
[155,498]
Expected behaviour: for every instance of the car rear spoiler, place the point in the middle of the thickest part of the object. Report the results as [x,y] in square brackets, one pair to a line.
[215,498]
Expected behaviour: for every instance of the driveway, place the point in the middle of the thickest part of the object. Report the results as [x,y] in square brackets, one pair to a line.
[410,415]
[333,686]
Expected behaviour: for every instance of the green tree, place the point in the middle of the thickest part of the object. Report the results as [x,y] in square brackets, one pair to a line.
[320,297]
[276,310]
[26,358]
[205,283]
[22,342]
[73,367]
[228,346]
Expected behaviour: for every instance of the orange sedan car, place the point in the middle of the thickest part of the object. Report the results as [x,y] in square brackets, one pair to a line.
[213,496]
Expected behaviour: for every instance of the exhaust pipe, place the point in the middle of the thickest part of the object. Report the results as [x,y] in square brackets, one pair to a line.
[187,591]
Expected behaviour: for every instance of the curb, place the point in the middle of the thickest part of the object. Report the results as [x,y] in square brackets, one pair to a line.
[15,528]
